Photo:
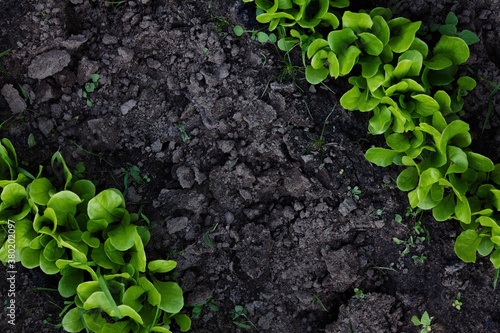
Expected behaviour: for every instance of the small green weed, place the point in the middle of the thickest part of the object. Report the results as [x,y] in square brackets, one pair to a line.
[358,294]
[185,137]
[1,55]
[90,87]
[317,300]
[91,153]
[319,144]
[206,236]
[115,4]
[220,22]
[31,140]
[261,36]
[133,172]
[197,308]
[242,313]
[450,29]
[355,192]
[425,321]
[456,302]
[419,259]
[79,170]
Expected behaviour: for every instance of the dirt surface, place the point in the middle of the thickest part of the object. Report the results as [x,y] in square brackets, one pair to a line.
[286,230]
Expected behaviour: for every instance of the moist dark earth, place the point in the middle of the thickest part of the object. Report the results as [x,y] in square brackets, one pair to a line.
[290,222]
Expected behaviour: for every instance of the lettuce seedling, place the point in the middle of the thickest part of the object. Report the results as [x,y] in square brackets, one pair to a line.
[96,246]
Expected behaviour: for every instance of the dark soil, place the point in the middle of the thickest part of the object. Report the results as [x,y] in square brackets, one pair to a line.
[286,228]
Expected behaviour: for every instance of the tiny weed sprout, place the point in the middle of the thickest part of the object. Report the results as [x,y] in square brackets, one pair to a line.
[419,259]
[398,218]
[197,308]
[456,302]
[359,294]
[1,55]
[354,192]
[261,36]
[209,241]
[319,143]
[317,300]
[220,22]
[424,321]
[90,87]
[182,130]
[450,29]
[240,318]
[31,140]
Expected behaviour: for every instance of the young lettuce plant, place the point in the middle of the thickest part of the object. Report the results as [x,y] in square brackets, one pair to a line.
[94,244]
[306,14]
[417,101]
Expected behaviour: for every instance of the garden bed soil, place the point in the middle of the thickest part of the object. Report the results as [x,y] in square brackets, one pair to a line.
[289,224]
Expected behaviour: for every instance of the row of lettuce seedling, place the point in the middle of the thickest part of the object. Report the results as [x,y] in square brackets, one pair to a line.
[416,96]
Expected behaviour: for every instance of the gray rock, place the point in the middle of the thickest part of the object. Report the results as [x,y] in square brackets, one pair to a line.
[45,126]
[347,206]
[177,224]
[185,176]
[74,42]
[15,101]
[44,92]
[127,106]
[48,64]
[125,55]
[156,146]
[343,266]
[86,67]
[109,40]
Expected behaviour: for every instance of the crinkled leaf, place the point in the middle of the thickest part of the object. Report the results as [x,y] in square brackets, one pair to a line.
[315,76]
[466,245]
[370,43]
[138,259]
[398,142]
[103,205]
[485,247]
[445,209]
[64,203]
[127,311]
[154,297]
[123,236]
[183,321]
[172,300]
[463,211]
[161,266]
[70,280]
[380,156]
[12,195]
[407,179]
[358,22]
[479,162]
[41,190]
[90,240]
[348,59]
[402,33]
[340,40]
[426,105]
[132,296]
[72,320]
[453,48]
